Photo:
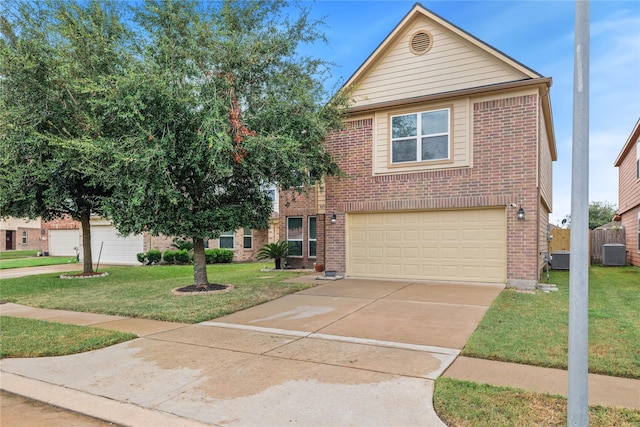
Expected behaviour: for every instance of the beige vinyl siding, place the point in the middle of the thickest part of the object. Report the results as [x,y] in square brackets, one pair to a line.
[461,148]
[453,63]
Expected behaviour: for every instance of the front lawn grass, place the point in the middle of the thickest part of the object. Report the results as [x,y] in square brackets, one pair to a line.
[145,292]
[17,254]
[533,328]
[36,338]
[462,403]
[36,261]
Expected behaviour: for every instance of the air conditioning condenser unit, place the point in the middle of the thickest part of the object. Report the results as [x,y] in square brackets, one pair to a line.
[614,254]
[560,260]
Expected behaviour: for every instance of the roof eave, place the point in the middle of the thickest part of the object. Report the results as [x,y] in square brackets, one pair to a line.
[635,134]
[419,8]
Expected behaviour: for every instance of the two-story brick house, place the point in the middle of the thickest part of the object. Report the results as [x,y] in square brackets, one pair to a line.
[448,139]
[628,164]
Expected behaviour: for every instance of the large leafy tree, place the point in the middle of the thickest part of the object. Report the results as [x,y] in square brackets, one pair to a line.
[56,58]
[222,105]
[600,213]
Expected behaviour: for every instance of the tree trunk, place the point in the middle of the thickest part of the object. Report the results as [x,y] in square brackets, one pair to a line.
[86,242]
[278,263]
[199,263]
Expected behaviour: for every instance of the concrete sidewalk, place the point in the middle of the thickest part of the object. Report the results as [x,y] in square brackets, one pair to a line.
[603,390]
[346,353]
[44,269]
[342,353]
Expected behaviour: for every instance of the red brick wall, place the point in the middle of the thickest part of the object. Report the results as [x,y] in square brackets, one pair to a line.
[58,224]
[260,238]
[629,202]
[503,172]
[34,239]
[293,204]
[629,221]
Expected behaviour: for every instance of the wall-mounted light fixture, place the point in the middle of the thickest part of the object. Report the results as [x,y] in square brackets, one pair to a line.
[520,214]
[333,218]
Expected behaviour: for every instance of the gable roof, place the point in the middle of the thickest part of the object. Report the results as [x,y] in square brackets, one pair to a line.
[419,10]
[635,136]
[457,64]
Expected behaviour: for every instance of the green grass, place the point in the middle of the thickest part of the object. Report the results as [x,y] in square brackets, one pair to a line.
[17,254]
[35,262]
[462,403]
[37,338]
[145,292]
[533,328]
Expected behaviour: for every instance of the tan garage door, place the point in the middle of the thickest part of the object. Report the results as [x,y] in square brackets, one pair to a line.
[466,245]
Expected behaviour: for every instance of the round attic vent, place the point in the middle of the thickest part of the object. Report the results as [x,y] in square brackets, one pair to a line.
[421,42]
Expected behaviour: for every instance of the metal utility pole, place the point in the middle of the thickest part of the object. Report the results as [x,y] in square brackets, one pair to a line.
[578,407]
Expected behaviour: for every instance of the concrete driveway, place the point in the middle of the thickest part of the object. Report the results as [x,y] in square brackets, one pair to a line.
[346,353]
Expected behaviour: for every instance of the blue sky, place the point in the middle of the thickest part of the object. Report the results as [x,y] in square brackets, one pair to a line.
[539,34]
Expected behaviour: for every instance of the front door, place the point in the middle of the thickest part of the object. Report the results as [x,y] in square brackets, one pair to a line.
[11,240]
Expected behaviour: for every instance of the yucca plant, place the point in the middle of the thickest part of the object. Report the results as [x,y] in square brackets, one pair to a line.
[277,251]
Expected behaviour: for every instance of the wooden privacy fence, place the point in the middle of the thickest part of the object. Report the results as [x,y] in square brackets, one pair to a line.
[562,238]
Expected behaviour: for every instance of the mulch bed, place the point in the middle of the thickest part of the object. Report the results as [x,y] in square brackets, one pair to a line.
[202,289]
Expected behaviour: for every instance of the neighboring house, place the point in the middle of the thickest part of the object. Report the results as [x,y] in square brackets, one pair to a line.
[21,234]
[63,237]
[613,225]
[628,164]
[448,138]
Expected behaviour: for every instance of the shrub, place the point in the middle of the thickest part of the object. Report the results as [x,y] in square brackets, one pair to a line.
[218,255]
[182,256]
[142,258]
[210,255]
[181,244]
[277,251]
[153,256]
[224,255]
[169,256]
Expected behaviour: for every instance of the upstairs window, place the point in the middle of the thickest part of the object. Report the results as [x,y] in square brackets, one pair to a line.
[420,137]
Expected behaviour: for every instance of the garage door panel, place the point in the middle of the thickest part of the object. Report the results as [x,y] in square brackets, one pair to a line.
[451,235]
[393,253]
[465,245]
[415,253]
[64,242]
[116,249]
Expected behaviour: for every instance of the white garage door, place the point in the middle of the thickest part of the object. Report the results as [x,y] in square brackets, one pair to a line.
[116,249]
[465,245]
[64,242]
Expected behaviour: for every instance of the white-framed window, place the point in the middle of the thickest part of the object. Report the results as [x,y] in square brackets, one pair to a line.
[24,237]
[226,240]
[313,236]
[419,137]
[294,236]
[247,238]
[638,231]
